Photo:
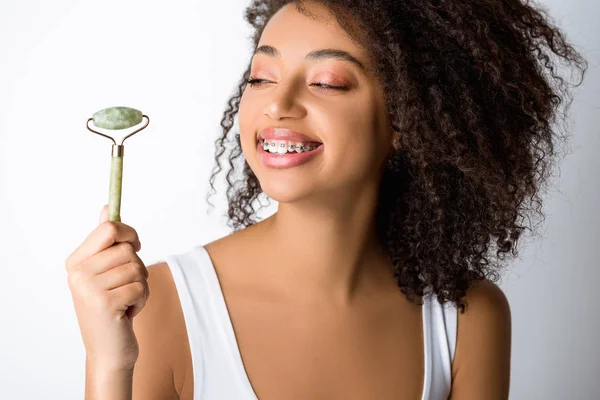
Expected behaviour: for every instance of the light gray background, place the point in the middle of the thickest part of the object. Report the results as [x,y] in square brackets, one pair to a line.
[178,62]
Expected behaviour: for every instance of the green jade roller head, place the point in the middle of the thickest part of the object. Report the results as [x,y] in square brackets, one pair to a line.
[116,118]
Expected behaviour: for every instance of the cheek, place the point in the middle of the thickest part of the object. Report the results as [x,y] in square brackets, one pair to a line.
[355,153]
[357,157]
[356,144]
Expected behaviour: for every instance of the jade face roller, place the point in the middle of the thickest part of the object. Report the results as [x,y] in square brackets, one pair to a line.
[116,118]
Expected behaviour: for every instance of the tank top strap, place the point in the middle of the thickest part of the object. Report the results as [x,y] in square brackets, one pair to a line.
[218,371]
[439,327]
[187,278]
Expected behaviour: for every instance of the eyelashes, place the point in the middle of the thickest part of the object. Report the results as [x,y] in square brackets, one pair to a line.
[253,82]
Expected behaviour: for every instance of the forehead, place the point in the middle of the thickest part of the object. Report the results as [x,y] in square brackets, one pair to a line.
[295,35]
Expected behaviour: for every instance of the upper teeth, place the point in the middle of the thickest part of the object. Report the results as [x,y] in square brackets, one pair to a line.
[282,146]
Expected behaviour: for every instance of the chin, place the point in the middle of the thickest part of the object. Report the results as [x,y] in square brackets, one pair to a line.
[283,190]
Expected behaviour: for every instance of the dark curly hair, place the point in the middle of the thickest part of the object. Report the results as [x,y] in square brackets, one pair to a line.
[473,90]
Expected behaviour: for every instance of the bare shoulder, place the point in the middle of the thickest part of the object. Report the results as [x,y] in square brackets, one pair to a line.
[481,367]
[164,367]
[161,368]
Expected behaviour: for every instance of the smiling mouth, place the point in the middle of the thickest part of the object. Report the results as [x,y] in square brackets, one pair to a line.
[283,147]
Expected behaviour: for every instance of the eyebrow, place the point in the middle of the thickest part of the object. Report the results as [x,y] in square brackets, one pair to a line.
[320,54]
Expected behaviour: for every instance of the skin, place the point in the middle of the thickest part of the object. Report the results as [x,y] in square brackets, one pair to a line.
[338,326]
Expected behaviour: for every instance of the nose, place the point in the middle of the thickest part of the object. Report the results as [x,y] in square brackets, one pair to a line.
[283,101]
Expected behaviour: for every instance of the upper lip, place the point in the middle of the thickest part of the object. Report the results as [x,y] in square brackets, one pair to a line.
[284,134]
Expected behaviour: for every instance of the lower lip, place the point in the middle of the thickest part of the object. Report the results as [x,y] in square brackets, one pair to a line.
[272,160]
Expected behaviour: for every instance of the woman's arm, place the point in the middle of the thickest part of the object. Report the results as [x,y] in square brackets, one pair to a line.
[481,367]
[154,377]
[102,383]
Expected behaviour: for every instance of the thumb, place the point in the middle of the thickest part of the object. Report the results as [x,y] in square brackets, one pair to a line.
[103,214]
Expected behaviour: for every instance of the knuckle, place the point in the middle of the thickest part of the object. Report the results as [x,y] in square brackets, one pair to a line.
[139,288]
[136,271]
[76,278]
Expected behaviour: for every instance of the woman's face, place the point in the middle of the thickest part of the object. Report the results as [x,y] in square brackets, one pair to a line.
[351,122]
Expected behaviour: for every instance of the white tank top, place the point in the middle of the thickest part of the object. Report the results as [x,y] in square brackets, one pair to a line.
[218,370]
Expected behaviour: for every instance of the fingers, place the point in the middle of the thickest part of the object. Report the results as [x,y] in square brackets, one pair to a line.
[134,295]
[117,254]
[104,236]
[122,275]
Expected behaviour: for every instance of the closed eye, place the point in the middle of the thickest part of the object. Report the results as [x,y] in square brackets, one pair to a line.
[255,82]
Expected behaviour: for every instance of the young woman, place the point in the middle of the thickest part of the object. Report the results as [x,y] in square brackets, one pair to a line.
[401,140]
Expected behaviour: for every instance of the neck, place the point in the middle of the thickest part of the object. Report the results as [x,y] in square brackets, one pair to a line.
[326,248]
